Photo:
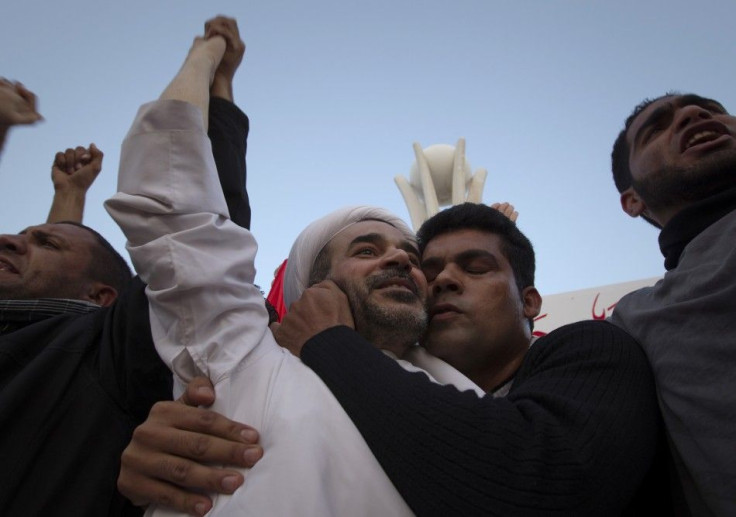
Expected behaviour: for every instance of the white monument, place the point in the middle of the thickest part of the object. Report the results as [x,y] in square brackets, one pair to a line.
[440,176]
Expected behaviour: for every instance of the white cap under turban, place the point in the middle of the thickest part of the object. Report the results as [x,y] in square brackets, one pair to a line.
[315,236]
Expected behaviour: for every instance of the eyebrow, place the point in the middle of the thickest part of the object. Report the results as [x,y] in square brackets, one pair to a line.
[377,238]
[44,235]
[679,102]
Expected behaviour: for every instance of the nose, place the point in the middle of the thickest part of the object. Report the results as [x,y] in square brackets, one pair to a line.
[690,114]
[445,281]
[396,257]
[14,243]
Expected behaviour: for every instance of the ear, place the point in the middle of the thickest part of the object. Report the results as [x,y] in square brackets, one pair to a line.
[631,203]
[101,294]
[532,301]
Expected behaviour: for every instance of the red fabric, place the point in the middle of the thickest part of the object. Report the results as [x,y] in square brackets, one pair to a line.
[276,294]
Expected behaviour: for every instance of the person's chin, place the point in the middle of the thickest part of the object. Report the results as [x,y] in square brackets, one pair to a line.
[441,336]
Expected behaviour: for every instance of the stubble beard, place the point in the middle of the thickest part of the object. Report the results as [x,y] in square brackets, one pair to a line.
[53,287]
[674,186]
[393,326]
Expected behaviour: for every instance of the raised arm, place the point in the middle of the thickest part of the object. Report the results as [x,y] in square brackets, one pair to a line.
[72,173]
[174,215]
[192,83]
[222,83]
[17,107]
[228,130]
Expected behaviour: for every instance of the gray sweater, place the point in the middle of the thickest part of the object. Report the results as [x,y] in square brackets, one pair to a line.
[686,324]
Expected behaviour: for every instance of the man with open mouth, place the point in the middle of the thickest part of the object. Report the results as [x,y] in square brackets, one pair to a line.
[674,164]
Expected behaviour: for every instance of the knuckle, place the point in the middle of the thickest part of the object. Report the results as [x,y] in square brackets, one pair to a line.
[235,455]
[199,446]
[163,498]
[175,471]
[124,484]
[126,458]
[140,434]
[161,408]
[133,491]
[233,429]
[207,418]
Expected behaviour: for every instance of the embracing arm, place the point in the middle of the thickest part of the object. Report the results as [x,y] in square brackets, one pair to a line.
[549,446]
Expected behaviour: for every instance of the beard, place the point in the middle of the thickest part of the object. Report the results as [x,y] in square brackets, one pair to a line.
[674,186]
[51,287]
[393,326]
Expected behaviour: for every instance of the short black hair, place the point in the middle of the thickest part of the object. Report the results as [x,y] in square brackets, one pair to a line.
[105,265]
[517,249]
[621,151]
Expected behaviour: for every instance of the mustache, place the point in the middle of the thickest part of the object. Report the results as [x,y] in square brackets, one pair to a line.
[392,274]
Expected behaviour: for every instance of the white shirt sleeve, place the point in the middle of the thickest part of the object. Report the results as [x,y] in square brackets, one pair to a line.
[206,314]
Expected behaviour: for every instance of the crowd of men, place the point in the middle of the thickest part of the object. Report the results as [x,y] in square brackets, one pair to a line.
[404,378]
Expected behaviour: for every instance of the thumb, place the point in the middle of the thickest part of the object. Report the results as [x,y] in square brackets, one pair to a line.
[199,392]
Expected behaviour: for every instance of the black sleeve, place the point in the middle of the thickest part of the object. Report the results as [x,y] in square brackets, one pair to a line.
[128,357]
[575,435]
[228,132]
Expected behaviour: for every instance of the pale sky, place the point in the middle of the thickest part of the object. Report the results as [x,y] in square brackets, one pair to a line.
[337,91]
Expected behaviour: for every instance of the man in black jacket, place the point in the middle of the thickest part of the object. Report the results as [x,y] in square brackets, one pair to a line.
[78,368]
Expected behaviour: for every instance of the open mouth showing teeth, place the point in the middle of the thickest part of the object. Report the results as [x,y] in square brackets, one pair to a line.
[397,283]
[701,137]
[4,266]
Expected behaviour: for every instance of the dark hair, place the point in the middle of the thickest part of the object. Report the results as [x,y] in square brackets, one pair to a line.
[321,266]
[620,154]
[517,249]
[621,151]
[106,265]
[273,314]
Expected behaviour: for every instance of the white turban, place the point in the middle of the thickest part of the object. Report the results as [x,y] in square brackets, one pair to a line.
[316,236]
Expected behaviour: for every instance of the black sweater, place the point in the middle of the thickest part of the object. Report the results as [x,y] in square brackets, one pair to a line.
[576,435]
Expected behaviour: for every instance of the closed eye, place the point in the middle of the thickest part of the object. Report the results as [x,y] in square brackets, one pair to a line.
[46,243]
